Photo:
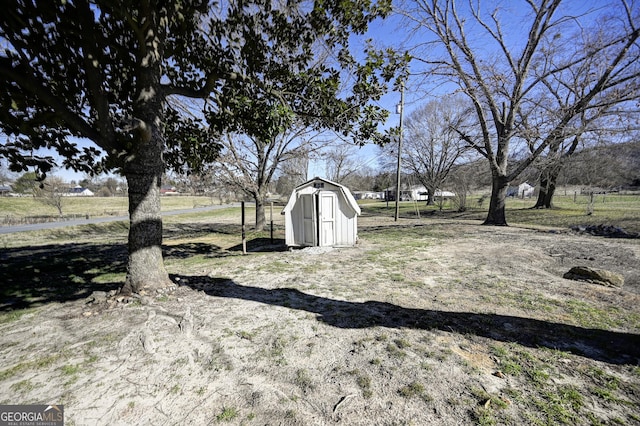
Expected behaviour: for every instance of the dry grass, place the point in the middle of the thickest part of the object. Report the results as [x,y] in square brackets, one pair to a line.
[431,321]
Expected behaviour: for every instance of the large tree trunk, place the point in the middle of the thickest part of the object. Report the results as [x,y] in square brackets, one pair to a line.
[431,196]
[144,166]
[549,175]
[260,217]
[547,189]
[548,178]
[145,269]
[496,215]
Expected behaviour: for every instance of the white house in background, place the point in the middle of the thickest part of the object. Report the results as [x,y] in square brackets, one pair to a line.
[79,191]
[368,195]
[524,190]
[417,193]
[321,213]
[444,194]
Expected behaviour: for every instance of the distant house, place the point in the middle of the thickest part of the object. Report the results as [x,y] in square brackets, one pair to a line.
[444,194]
[5,190]
[524,190]
[417,193]
[368,195]
[169,190]
[79,191]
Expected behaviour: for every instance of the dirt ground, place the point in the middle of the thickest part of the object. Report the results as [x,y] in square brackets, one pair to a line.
[429,322]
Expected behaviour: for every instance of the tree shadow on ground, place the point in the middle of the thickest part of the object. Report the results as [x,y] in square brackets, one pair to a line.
[254,243]
[33,276]
[37,275]
[187,250]
[602,345]
[262,245]
[183,230]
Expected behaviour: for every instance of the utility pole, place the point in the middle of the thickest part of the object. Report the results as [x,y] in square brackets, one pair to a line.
[399,110]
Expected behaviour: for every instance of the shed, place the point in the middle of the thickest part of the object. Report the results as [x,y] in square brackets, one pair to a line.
[524,190]
[321,213]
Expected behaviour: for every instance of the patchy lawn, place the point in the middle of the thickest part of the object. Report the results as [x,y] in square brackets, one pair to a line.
[430,321]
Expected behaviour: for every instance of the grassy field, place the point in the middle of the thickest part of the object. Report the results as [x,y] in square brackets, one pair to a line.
[20,207]
[569,209]
[617,210]
[611,209]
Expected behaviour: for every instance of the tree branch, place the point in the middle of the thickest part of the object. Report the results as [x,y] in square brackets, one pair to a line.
[21,76]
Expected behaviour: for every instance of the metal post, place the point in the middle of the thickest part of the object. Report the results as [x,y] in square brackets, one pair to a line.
[401,112]
[271,220]
[244,234]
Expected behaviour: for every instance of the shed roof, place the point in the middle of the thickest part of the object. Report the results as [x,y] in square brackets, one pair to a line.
[351,201]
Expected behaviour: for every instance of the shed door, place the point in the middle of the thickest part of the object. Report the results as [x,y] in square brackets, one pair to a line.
[308,222]
[327,218]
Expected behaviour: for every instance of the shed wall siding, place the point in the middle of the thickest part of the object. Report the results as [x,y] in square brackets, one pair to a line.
[346,228]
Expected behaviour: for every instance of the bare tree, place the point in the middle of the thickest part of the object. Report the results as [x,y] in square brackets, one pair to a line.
[50,193]
[340,162]
[431,145]
[611,116]
[293,172]
[505,73]
[249,164]
[363,179]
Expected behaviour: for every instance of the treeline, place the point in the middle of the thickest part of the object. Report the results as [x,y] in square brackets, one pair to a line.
[610,167]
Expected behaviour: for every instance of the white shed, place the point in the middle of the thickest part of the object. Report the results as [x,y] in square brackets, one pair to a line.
[524,190]
[321,213]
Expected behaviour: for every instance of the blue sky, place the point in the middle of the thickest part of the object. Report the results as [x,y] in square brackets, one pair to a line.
[393,32]
[384,33]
